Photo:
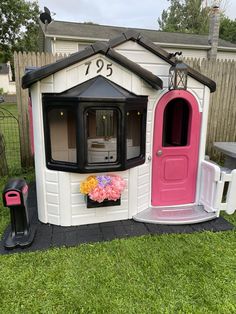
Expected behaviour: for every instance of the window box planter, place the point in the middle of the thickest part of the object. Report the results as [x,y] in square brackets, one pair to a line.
[105,203]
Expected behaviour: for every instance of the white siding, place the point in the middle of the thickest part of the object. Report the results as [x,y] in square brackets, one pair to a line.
[80,214]
[202,147]
[222,55]
[59,197]
[7,86]
[71,46]
[65,46]
[39,156]
[60,201]
[154,64]
[159,67]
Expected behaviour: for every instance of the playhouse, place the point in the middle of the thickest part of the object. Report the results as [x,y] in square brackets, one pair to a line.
[130,109]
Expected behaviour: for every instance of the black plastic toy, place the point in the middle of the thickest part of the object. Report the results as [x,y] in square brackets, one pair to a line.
[15,196]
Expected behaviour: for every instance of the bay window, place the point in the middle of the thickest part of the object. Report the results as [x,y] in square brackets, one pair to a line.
[94,133]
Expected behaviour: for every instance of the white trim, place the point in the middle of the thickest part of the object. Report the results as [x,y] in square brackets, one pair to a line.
[39,155]
[163,45]
[202,144]
[76,37]
[227,49]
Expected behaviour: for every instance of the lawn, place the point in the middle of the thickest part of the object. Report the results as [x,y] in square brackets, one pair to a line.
[185,273]
[192,273]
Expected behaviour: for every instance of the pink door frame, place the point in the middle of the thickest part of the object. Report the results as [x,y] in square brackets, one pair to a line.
[174,169]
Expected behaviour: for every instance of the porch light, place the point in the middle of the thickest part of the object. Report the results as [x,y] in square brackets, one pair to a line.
[178,75]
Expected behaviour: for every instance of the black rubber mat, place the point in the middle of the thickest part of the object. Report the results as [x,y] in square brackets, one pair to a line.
[48,236]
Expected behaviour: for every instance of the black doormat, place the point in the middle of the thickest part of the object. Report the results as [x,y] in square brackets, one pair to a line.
[48,236]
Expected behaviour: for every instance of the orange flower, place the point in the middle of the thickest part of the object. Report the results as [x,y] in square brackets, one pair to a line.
[88,185]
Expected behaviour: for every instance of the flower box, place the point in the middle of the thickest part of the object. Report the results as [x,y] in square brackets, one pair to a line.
[106,202]
[102,190]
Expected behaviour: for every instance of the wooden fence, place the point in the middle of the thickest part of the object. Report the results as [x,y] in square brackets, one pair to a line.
[222,113]
[21,62]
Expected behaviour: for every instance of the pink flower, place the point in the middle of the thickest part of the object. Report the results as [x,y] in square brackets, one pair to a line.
[118,183]
[98,194]
[112,194]
[108,187]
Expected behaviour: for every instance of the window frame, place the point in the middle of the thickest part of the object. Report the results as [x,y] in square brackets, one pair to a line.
[81,107]
[185,125]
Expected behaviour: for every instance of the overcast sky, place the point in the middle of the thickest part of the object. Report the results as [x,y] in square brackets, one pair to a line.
[128,13]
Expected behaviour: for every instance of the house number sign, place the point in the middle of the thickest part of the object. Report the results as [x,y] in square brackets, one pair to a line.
[100,64]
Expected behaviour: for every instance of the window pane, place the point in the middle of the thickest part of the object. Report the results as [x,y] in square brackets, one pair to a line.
[176,123]
[62,126]
[133,141]
[102,136]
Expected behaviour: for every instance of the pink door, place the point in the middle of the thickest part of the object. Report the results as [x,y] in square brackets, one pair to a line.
[175,149]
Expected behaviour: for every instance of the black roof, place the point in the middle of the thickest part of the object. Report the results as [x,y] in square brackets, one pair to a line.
[107,50]
[98,88]
[105,32]
[99,47]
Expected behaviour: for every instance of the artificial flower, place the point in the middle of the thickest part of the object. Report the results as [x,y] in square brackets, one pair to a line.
[88,185]
[103,187]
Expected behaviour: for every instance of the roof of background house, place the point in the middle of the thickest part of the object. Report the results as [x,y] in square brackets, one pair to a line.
[4,69]
[107,50]
[104,32]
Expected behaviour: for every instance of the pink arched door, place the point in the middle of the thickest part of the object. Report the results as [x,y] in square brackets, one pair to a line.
[175,149]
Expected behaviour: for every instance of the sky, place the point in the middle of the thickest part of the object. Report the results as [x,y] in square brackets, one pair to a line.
[127,13]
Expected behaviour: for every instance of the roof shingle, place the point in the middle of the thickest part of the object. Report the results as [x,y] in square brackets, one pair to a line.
[105,32]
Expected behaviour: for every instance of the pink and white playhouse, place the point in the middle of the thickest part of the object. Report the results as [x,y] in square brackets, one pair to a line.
[120,133]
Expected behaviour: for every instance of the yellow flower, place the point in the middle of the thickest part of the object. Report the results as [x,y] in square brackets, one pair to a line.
[89,184]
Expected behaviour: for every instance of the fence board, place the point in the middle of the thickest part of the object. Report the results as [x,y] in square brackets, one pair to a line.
[21,61]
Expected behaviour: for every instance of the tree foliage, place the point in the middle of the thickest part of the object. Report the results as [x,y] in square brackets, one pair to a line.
[18,26]
[228,29]
[191,16]
[186,16]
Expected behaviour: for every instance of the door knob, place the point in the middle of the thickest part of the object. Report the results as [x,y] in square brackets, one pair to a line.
[159,152]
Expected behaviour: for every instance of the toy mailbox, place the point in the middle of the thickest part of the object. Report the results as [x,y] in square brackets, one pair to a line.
[15,196]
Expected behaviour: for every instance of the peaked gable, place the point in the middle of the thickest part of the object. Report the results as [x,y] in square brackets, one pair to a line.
[99,47]
[163,54]
[96,88]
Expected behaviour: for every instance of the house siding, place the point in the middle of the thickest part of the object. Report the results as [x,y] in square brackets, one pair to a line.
[66,206]
[71,46]
[59,199]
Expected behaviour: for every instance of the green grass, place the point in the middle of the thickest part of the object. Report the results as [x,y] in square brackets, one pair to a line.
[192,273]
[161,274]
[12,107]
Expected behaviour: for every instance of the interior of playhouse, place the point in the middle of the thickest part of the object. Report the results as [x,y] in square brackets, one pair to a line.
[101,134]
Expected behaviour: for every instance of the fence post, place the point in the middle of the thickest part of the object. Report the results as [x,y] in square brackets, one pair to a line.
[3,160]
[20,62]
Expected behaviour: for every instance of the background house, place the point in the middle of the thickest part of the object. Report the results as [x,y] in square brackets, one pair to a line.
[70,37]
[6,83]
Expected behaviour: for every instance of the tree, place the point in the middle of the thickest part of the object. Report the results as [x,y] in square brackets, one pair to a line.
[186,16]
[192,16]
[18,27]
[228,29]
